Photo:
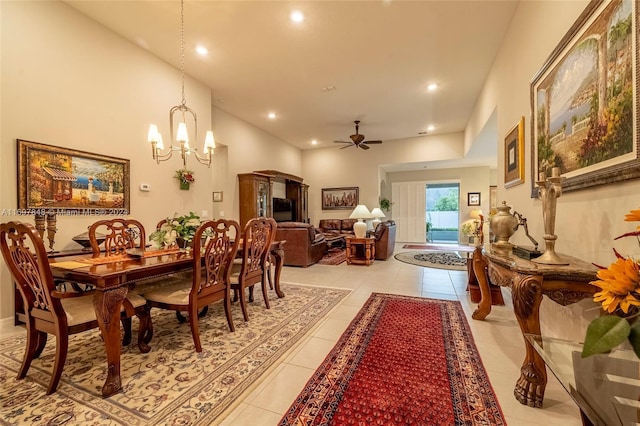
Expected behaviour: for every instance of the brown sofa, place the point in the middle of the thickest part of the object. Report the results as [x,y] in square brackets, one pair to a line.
[337,226]
[304,245]
[385,235]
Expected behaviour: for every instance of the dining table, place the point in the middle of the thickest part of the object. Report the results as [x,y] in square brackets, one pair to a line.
[112,279]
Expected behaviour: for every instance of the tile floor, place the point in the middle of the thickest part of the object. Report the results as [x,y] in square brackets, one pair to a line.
[498,340]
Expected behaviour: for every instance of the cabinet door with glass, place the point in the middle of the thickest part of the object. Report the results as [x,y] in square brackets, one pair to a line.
[255,196]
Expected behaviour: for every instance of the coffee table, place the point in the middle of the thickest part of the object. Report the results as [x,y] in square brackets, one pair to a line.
[335,240]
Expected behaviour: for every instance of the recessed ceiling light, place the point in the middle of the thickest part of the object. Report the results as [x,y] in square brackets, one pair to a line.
[296,16]
[314,142]
[431,128]
[202,50]
[432,87]
[272,116]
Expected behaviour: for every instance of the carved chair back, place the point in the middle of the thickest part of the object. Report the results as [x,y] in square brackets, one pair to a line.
[120,235]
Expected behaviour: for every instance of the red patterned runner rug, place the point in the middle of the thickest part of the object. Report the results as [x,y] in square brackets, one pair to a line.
[402,360]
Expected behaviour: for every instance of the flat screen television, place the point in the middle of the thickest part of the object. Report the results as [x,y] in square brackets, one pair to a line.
[282,209]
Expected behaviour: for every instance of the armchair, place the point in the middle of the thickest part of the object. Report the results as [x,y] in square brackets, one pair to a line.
[385,235]
[304,245]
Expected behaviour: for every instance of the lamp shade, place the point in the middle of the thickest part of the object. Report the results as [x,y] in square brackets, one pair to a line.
[476,214]
[360,212]
[377,213]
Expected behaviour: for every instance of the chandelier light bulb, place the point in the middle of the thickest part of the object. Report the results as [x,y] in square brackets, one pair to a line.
[181,135]
[209,141]
[159,144]
[153,133]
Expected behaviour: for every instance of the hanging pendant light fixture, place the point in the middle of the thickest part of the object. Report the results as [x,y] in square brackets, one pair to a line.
[180,142]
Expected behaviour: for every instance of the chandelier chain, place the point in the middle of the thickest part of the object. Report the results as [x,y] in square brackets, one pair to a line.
[184,101]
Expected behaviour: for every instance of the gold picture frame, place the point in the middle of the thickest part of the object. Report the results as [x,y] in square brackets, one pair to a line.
[217,196]
[514,155]
[70,181]
[585,123]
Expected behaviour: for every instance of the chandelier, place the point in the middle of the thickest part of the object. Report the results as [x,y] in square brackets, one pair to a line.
[180,139]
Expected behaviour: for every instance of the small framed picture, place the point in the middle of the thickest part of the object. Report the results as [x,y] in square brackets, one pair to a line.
[217,196]
[473,198]
[514,155]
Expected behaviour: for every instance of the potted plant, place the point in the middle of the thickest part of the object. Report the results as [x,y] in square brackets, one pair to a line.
[468,229]
[385,204]
[178,230]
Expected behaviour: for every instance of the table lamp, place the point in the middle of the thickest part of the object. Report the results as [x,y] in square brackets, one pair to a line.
[360,212]
[478,218]
[377,214]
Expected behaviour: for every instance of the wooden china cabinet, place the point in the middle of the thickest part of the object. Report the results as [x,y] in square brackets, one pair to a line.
[256,195]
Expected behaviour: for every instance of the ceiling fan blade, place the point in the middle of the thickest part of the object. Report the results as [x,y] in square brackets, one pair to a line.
[372,142]
[363,146]
[342,142]
[346,146]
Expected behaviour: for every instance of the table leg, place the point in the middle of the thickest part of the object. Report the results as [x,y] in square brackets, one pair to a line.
[479,266]
[278,255]
[107,305]
[527,296]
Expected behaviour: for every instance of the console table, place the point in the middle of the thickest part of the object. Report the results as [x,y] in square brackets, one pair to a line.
[564,284]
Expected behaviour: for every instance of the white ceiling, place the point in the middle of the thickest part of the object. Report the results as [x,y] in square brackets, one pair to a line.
[379,55]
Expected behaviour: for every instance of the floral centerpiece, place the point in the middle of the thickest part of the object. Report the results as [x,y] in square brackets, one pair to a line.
[185,177]
[619,296]
[176,230]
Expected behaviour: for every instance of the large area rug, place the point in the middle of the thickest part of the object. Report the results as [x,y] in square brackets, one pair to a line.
[402,360]
[434,259]
[172,384]
[334,256]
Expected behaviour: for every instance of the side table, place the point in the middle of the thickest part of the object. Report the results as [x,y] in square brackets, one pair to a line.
[528,281]
[360,251]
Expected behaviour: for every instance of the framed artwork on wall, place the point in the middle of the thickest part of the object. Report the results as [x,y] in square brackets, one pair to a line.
[473,198]
[340,198]
[68,181]
[514,155]
[493,198]
[584,101]
[217,196]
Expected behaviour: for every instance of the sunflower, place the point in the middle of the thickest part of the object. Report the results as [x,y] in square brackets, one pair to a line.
[633,216]
[620,284]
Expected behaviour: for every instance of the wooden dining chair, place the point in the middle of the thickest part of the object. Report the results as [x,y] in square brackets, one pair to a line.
[48,311]
[209,282]
[258,235]
[119,235]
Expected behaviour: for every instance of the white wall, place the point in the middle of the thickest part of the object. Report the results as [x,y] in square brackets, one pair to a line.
[588,220]
[69,82]
[334,168]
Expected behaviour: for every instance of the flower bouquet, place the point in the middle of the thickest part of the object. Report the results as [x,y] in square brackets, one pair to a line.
[185,177]
[619,296]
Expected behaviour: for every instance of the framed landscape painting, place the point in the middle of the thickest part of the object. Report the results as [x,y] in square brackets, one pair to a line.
[62,180]
[339,198]
[584,101]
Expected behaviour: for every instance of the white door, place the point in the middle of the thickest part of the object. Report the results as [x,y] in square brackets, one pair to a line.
[409,206]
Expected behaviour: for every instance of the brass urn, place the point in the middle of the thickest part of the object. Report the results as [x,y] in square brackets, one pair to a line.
[503,225]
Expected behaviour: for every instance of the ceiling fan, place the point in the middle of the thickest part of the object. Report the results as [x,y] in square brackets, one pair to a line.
[357,140]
